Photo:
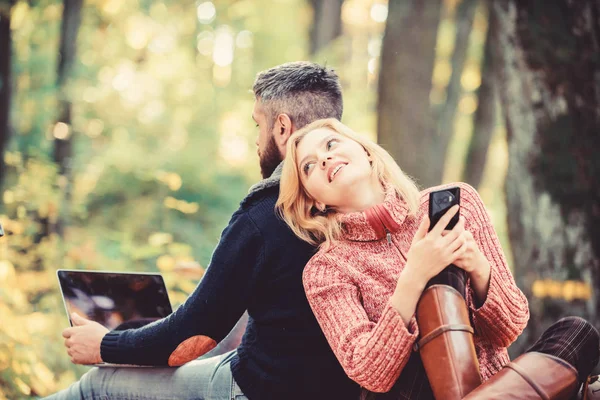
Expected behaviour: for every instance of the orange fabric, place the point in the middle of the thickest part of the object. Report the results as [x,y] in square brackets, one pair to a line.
[191,349]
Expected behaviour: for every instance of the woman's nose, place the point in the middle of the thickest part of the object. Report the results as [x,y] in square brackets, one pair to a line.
[325,160]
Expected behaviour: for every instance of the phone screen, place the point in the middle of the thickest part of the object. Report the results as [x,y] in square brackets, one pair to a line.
[439,202]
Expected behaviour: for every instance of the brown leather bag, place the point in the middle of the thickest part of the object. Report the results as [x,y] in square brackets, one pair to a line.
[591,389]
[446,345]
[532,376]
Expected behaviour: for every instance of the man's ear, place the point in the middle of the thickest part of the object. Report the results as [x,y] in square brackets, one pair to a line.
[282,131]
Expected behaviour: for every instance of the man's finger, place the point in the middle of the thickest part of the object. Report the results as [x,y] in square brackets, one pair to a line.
[78,320]
[443,222]
[67,333]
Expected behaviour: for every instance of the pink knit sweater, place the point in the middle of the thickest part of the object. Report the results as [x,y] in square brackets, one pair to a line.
[349,286]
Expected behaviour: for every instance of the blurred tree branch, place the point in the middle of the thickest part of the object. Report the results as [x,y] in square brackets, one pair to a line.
[327,23]
[63,143]
[405,125]
[485,115]
[5,81]
[465,13]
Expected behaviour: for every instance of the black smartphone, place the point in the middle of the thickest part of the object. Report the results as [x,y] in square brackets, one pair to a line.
[439,202]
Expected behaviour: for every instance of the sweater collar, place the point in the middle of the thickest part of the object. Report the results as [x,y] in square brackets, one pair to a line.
[269,182]
[376,221]
[261,187]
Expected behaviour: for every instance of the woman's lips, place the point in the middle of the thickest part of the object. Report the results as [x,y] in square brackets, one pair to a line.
[334,170]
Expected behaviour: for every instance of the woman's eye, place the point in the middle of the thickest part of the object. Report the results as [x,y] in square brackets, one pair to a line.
[306,167]
[330,143]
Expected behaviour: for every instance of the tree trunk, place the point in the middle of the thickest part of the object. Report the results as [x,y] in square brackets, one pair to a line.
[5,82]
[485,116]
[327,23]
[68,47]
[71,22]
[465,13]
[550,92]
[405,126]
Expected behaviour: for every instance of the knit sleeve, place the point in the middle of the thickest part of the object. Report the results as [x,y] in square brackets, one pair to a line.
[505,312]
[372,353]
[207,315]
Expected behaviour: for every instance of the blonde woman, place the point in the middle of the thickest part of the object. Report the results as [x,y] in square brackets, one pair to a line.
[347,195]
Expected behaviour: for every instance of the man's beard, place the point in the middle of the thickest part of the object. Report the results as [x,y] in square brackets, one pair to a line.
[269,159]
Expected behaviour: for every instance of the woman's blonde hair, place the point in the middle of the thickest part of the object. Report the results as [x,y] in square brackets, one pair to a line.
[296,206]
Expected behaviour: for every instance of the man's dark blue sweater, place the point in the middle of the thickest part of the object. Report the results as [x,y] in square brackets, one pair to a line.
[257,266]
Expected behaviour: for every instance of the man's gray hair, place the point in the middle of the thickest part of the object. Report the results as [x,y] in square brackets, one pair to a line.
[303,90]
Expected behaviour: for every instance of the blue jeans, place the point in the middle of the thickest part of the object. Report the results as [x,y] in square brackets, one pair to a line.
[206,379]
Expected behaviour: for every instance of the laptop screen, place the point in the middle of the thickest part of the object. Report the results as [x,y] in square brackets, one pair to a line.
[115,300]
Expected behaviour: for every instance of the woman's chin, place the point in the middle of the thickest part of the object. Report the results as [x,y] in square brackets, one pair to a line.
[350,181]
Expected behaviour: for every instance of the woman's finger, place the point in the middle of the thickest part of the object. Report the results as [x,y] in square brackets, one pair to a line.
[448,239]
[422,230]
[457,243]
[460,226]
[443,222]
[461,253]
[457,231]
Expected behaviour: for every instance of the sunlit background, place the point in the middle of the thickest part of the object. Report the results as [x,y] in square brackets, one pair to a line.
[158,108]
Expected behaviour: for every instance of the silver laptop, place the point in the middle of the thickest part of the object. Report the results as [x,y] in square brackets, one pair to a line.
[116,300]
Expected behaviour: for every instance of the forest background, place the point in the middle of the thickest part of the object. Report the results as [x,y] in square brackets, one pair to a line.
[126,140]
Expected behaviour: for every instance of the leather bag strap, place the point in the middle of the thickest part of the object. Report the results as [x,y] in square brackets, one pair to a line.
[590,388]
[438,331]
[519,370]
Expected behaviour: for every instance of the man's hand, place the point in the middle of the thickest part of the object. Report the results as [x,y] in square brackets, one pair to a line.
[83,340]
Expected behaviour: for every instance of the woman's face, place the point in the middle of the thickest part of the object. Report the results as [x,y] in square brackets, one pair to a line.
[332,166]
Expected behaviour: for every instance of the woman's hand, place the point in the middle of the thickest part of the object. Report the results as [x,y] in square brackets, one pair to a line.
[474,262]
[431,252]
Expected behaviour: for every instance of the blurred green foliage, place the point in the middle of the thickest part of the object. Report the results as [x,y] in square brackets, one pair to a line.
[163,145]
[154,180]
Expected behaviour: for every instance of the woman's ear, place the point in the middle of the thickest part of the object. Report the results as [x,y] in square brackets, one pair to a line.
[320,206]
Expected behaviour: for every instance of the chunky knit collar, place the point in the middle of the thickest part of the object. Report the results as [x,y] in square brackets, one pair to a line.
[375,222]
